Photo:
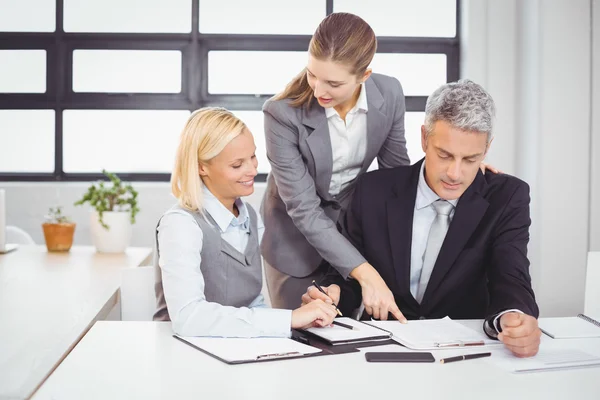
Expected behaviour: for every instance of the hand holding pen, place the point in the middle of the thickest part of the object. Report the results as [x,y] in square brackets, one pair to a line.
[329,294]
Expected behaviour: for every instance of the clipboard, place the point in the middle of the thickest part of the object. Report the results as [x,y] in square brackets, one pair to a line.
[342,333]
[235,351]
[313,347]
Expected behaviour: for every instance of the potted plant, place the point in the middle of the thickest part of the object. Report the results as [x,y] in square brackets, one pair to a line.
[58,230]
[115,207]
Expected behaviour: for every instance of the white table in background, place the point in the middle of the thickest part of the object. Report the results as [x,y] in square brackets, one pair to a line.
[141,360]
[48,301]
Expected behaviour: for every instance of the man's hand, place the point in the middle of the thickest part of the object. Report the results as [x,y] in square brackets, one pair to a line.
[520,334]
[377,297]
[312,294]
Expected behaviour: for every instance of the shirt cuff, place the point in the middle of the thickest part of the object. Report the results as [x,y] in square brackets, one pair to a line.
[273,322]
[496,321]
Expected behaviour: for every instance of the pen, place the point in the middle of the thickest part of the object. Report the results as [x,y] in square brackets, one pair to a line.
[345,325]
[464,357]
[460,344]
[277,355]
[322,291]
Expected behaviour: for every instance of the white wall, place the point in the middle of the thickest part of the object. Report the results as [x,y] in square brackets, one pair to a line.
[27,203]
[534,57]
[595,164]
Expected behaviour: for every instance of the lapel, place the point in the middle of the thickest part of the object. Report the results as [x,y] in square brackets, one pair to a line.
[319,144]
[400,212]
[469,211]
[376,121]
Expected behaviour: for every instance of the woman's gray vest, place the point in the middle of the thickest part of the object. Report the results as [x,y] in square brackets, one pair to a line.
[231,278]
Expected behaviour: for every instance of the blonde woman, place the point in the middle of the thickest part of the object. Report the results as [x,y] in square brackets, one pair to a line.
[209,272]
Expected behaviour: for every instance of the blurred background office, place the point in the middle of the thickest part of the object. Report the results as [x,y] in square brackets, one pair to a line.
[87,85]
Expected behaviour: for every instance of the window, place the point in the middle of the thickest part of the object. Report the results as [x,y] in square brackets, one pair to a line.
[87,85]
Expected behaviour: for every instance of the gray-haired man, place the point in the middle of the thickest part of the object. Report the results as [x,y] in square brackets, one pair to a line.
[446,239]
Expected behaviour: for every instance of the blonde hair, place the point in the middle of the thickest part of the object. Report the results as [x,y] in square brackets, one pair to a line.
[205,135]
[341,37]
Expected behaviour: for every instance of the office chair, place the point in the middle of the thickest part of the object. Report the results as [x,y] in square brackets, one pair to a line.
[18,236]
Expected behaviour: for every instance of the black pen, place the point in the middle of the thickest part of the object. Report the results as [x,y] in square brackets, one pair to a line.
[464,357]
[345,325]
[322,291]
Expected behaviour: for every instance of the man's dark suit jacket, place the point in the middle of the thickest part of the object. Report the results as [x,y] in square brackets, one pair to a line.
[482,268]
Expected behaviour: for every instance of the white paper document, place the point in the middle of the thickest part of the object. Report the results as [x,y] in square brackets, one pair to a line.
[340,335]
[569,327]
[546,359]
[255,349]
[434,334]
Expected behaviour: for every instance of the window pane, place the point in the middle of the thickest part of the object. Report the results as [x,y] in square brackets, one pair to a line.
[261,16]
[127,71]
[419,74]
[430,18]
[17,15]
[26,140]
[22,71]
[137,16]
[254,121]
[121,140]
[412,132]
[256,72]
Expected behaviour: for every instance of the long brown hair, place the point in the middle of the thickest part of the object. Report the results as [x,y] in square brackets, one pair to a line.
[341,37]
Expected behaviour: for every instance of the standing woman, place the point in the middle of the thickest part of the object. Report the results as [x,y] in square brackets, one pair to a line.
[322,132]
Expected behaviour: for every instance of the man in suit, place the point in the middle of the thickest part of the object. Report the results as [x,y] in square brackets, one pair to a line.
[447,239]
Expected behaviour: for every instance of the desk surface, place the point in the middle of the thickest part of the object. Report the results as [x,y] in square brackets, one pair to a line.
[48,301]
[141,360]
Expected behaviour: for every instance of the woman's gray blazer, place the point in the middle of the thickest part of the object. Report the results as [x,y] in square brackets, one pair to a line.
[299,214]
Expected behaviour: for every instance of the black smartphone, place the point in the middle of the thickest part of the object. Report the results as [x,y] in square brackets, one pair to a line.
[399,357]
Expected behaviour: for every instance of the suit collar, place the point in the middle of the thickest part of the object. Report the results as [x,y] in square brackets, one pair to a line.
[376,123]
[374,96]
[319,144]
[400,213]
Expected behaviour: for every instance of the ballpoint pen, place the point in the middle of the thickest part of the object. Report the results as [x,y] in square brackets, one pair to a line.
[322,291]
[345,325]
[460,343]
[464,357]
[278,355]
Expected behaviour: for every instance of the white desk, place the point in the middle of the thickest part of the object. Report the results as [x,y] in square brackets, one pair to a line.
[140,360]
[48,301]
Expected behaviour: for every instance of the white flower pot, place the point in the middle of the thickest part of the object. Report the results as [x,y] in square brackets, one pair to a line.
[117,237]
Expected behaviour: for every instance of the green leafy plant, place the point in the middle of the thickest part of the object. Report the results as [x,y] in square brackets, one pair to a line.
[114,196]
[55,216]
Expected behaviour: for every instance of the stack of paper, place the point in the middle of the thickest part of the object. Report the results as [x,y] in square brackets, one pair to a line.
[547,359]
[434,334]
[569,327]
